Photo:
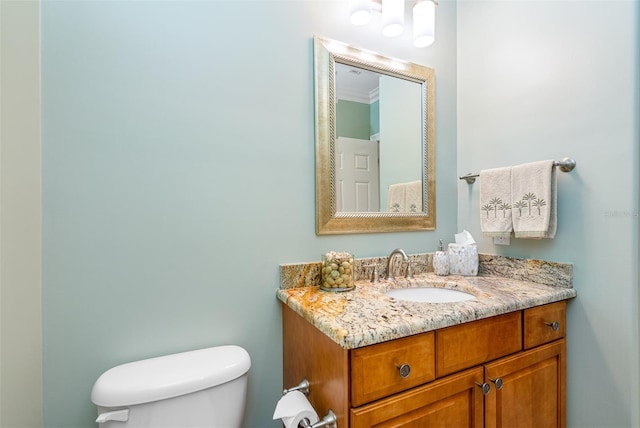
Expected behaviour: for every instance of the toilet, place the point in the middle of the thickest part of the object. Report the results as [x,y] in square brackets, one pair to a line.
[202,388]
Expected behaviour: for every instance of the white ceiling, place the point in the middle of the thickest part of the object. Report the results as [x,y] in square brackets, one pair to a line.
[356,84]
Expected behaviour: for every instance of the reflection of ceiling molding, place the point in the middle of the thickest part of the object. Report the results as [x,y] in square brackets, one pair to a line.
[346,94]
[356,84]
[374,94]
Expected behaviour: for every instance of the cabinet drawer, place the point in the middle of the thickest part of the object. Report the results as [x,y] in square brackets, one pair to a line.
[474,343]
[375,370]
[544,324]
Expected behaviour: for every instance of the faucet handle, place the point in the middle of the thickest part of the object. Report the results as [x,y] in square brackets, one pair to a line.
[409,274]
[374,275]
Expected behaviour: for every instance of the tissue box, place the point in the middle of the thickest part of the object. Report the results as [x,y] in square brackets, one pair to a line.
[463,259]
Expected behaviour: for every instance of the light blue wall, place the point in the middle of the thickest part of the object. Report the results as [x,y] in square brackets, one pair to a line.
[353,119]
[543,80]
[374,117]
[400,135]
[178,173]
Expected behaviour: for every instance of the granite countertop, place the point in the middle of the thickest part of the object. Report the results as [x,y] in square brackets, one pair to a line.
[366,316]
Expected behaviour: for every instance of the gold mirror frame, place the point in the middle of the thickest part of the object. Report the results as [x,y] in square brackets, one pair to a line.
[328,221]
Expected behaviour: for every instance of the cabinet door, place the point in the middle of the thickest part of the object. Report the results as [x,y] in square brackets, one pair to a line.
[455,401]
[532,393]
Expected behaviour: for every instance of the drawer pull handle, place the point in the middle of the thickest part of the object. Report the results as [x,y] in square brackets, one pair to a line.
[404,370]
[497,382]
[554,325]
[486,388]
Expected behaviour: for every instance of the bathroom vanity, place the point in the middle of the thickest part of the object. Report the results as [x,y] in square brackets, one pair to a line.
[496,360]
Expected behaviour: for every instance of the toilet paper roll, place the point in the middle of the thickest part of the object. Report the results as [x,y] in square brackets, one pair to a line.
[292,408]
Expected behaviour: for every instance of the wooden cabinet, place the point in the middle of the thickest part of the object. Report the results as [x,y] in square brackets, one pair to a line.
[438,378]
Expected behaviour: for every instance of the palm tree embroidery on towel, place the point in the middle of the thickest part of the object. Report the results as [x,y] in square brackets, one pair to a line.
[527,201]
[530,200]
[496,204]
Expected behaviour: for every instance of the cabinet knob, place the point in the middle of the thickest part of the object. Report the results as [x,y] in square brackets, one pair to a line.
[404,370]
[497,382]
[486,388]
[554,325]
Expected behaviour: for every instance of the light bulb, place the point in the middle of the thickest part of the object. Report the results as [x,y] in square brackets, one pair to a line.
[359,11]
[424,23]
[392,17]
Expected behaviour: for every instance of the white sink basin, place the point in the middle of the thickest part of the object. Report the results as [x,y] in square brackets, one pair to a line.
[429,295]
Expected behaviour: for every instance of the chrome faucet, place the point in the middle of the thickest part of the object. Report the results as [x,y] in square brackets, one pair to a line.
[390,260]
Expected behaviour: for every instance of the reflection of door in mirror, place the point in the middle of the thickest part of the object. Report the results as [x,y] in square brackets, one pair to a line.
[356,151]
[357,177]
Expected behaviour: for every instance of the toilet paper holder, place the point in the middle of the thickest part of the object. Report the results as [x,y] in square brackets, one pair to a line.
[303,387]
[330,419]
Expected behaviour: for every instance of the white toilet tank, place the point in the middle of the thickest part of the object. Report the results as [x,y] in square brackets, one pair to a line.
[203,388]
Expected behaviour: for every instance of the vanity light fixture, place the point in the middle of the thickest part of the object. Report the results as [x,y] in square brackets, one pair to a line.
[359,12]
[424,13]
[424,23]
[392,17]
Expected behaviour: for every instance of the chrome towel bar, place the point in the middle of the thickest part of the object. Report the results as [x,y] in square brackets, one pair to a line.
[565,165]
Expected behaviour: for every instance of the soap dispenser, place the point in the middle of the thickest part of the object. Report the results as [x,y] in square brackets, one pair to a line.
[441,261]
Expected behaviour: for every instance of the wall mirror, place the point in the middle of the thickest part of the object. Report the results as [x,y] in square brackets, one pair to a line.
[375,138]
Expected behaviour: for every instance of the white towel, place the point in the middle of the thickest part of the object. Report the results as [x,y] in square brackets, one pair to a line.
[396,198]
[533,200]
[413,196]
[495,202]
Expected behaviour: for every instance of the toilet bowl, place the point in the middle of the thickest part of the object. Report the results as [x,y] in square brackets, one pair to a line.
[202,388]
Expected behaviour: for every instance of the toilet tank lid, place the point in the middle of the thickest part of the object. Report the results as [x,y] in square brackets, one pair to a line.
[169,376]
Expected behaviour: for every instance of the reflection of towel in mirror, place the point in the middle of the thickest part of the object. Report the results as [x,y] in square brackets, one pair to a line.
[396,198]
[495,202]
[405,197]
[413,197]
[533,200]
